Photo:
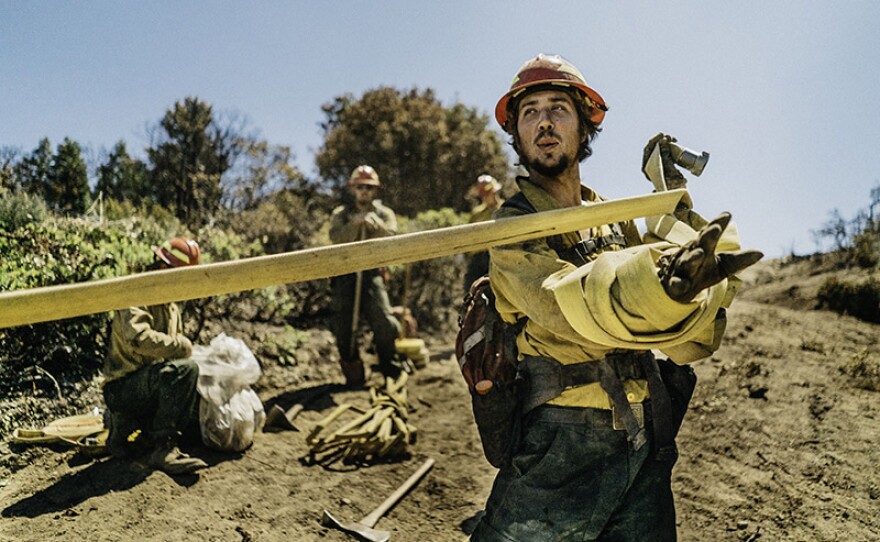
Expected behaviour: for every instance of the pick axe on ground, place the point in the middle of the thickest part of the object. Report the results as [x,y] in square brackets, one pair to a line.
[278,419]
[363,529]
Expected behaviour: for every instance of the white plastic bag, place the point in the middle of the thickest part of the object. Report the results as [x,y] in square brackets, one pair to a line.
[230,411]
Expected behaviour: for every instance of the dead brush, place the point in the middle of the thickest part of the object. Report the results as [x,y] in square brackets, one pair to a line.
[863,369]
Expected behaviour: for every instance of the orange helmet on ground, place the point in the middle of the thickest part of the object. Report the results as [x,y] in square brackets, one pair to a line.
[364,175]
[487,184]
[178,252]
[550,70]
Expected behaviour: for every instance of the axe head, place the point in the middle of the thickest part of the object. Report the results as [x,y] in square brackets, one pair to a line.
[357,530]
[277,420]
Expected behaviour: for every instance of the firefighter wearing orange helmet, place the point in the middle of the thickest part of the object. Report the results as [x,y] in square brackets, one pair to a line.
[591,418]
[149,382]
[363,295]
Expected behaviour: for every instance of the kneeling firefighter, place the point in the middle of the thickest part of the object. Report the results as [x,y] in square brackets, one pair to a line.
[149,384]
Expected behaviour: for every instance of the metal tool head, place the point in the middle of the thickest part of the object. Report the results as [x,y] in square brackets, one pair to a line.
[278,420]
[689,159]
[358,530]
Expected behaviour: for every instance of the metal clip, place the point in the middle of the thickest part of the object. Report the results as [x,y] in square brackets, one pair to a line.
[638,411]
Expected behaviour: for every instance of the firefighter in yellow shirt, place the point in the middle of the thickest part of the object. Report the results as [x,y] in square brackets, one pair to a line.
[363,218]
[149,380]
[600,413]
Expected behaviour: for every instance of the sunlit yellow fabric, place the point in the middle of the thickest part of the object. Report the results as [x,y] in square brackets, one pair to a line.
[613,303]
[343,230]
[144,335]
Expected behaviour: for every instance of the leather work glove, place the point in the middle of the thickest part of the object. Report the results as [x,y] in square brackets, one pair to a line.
[372,221]
[674,177]
[696,265]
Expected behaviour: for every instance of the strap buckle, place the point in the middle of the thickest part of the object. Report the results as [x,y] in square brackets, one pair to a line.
[638,410]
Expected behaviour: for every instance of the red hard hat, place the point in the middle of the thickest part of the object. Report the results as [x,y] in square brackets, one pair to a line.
[178,252]
[364,175]
[550,70]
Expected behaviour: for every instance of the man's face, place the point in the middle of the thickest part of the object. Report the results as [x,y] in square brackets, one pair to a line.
[549,131]
[364,193]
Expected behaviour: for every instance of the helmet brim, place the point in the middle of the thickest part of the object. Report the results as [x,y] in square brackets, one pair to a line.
[593,99]
[370,182]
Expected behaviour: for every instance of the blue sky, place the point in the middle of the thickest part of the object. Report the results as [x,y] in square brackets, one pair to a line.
[784,95]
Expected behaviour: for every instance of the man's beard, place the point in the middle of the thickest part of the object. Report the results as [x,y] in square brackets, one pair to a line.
[545,170]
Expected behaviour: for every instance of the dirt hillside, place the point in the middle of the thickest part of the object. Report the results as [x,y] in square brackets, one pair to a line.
[780,444]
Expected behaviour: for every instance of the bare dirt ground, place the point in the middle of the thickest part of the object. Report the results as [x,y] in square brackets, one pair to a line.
[780,444]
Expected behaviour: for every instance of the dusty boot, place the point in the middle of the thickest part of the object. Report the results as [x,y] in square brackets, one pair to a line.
[355,375]
[168,457]
[121,427]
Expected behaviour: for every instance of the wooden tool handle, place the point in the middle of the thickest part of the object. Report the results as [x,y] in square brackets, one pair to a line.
[371,519]
[294,411]
[194,282]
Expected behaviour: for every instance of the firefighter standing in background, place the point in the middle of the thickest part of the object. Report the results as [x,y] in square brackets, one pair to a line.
[363,218]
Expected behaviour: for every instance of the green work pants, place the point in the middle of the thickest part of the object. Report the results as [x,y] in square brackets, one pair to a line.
[577,478]
[160,399]
[375,309]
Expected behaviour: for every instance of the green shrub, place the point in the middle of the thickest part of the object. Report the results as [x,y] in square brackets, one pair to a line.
[273,304]
[435,286]
[18,209]
[146,213]
[63,252]
[861,300]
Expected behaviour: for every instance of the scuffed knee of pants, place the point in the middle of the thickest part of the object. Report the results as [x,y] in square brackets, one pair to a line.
[180,370]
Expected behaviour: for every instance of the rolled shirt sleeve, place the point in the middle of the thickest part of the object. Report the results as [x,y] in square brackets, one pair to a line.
[614,302]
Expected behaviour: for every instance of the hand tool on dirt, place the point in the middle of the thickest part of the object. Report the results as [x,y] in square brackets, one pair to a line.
[193,282]
[363,529]
[280,420]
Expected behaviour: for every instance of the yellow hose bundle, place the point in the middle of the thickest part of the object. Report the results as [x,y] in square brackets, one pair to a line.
[380,431]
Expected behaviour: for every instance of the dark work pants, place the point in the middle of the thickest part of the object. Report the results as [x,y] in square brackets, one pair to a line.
[375,309]
[161,399]
[579,480]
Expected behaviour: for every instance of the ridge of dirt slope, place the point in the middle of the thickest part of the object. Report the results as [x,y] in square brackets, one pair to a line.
[779,445]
